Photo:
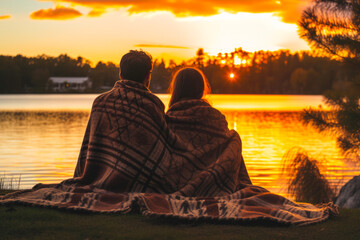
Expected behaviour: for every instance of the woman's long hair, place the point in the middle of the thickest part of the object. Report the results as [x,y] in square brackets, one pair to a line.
[188,83]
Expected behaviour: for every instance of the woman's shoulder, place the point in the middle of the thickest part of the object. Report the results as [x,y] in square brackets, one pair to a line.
[197,106]
[197,111]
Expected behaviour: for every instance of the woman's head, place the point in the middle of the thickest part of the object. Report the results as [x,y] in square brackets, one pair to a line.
[188,83]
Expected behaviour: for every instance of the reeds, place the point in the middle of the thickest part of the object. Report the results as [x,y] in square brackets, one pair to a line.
[305,182]
[10,183]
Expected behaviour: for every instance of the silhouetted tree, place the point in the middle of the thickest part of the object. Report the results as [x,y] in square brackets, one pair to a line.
[103,76]
[200,58]
[333,27]
[299,80]
[10,77]
[259,72]
[160,77]
[39,80]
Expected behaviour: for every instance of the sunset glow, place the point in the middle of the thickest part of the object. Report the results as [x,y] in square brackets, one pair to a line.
[105,30]
[3,17]
[223,110]
[238,61]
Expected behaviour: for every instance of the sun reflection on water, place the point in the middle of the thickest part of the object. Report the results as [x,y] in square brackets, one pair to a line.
[43,145]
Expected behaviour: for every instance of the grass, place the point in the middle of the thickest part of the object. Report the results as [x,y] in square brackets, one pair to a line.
[21,222]
[305,182]
[8,184]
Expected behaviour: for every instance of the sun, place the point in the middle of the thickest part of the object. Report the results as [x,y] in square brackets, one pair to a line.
[231,77]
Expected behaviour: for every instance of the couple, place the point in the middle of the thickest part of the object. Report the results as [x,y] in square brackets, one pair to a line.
[183,164]
[131,145]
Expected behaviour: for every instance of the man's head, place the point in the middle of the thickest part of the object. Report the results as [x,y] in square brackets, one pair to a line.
[136,66]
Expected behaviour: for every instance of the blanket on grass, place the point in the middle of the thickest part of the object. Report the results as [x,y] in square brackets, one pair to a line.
[186,165]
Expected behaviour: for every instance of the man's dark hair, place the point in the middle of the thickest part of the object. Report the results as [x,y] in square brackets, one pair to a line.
[135,66]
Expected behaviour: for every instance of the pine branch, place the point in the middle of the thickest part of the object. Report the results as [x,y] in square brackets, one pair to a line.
[333,26]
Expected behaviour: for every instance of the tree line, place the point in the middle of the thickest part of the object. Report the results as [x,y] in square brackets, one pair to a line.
[238,72]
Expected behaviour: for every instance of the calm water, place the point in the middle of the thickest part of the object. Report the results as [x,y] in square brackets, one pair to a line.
[41,136]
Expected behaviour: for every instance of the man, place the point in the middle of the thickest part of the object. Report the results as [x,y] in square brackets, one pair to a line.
[124,148]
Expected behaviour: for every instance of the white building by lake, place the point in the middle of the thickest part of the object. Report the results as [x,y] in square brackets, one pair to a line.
[69,84]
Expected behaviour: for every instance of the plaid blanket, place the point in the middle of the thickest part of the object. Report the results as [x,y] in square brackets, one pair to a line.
[186,164]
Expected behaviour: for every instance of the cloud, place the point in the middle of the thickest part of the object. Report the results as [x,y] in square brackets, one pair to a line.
[96,13]
[289,10]
[159,46]
[58,13]
[3,17]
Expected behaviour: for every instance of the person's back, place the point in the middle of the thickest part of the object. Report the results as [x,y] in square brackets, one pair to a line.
[205,132]
[120,146]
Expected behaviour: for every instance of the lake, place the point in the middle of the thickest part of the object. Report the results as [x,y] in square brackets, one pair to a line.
[41,136]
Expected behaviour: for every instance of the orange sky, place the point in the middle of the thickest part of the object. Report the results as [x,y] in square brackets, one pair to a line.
[105,30]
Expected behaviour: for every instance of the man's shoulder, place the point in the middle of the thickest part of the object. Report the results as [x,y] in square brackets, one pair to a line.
[103,95]
[132,93]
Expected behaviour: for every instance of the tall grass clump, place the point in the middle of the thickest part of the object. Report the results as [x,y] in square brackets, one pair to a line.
[9,183]
[305,182]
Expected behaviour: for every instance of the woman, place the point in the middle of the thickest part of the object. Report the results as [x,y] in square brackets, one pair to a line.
[219,167]
[217,176]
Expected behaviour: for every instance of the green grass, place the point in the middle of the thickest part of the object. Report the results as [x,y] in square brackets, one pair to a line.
[21,222]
